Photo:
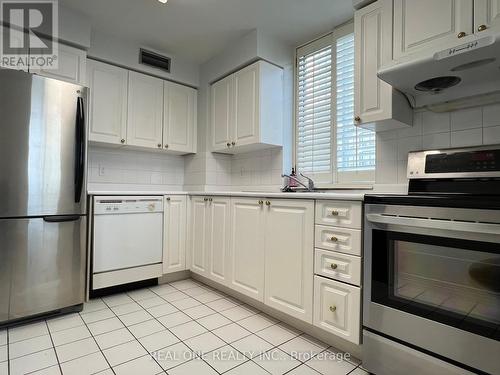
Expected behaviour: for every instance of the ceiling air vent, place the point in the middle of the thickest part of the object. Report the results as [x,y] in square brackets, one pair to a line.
[155,60]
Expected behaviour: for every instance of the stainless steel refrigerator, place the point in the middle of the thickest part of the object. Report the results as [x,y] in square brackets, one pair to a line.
[42,196]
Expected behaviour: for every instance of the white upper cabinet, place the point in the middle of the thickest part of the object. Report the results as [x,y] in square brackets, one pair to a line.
[221,112]
[179,118]
[289,254]
[71,65]
[376,104]
[486,15]
[247,109]
[430,25]
[145,111]
[107,103]
[16,41]
[174,234]
[219,222]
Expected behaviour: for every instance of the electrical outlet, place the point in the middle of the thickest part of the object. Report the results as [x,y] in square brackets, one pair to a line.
[102,170]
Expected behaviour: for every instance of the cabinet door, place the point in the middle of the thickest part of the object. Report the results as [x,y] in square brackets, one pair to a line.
[219,224]
[222,112]
[108,102]
[246,258]
[145,111]
[373,48]
[429,25]
[71,65]
[174,234]
[179,117]
[486,15]
[198,236]
[246,105]
[289,254]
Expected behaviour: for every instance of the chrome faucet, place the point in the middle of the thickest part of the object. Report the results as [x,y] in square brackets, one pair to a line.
[309,186]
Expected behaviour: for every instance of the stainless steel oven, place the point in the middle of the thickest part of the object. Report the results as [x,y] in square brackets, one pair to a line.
[432,271]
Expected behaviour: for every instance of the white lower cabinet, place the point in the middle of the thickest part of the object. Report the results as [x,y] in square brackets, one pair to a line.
[337,308]
[198,233]
[289,257]
[174,234]
[342,267]
[246,256]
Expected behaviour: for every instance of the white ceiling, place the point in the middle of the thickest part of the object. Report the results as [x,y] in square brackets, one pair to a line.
[199,29]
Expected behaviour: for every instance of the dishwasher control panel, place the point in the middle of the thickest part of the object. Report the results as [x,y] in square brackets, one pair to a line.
[121,205]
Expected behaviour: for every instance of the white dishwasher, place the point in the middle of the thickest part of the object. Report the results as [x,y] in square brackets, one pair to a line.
[127,239]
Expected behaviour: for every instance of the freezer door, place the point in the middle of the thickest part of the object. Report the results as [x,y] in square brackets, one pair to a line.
[42,146]
[45,261]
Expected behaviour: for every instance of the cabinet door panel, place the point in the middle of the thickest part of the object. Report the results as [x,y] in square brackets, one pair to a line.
[174,241]
[198,236]
[429,25]
[246,107]
[219,229]
[247,248]
[108,103]
[222,101]
[289,254]
[15,39]
[486,13]
[179,120]
[145,111]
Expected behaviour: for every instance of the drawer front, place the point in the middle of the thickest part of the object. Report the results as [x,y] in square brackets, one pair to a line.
[342,240]
[342,267]
[337,308]
[339,213]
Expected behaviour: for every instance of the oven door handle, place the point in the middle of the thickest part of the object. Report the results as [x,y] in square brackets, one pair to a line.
[455,226]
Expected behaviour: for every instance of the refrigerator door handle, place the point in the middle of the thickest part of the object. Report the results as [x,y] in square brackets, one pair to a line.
[61,219]
[79,149]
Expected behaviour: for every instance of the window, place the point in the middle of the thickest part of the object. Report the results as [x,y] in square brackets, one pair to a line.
[329,146]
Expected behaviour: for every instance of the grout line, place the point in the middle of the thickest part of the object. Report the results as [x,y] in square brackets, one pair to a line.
[54,346]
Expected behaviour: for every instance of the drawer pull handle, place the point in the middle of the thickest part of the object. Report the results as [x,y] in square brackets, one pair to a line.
[461,35]
[482,28]
[333,266]
[335,213]
[333,308]
[334,239]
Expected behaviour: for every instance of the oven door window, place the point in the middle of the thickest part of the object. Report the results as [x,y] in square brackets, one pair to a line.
[452,281]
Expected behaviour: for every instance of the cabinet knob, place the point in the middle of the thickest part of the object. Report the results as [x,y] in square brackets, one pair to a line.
[261,202]
[210,199]
[205,199]
[168,198]
[333,308]
[482,27]
[122,140]
[166,146]
[268,203]
[335,213]
[159,145]
[357,119]
[233,143]
[333,266]
[228,144]
[461,34]
[334,239]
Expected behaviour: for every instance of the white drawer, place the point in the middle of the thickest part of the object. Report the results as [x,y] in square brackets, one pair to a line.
[342,240]
[342,267]
[337,308]
[339,213]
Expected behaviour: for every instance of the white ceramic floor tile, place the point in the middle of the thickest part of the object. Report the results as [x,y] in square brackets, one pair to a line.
[143,365]
[163,289]
[151,302]
[175,319]
[98,315]
[141,294]
[164,309]
[33,362]
[158,340]
[52,370]
[146,328]
[252,346]
[224,359]
[221,304]
[76,349]
[248,368]
[124,353]
[126,308]
[303,370]
[173,355]
[276,362]
[117,300]
[135,317]
[278,334]
[87,365]
[3,337]
[199,311]
[27,331]
[104,326]
[303,348]
[204,343]
[196,291]
[185,284]
[35,344]
[106,372]
[209,297]
[4,354]
[69,335]
[4,368]
[359,371]
[114,338]
[64,322]
[187,330]
[231,332]
[329,363]
[237,313]
[186,303]
[176,296]
[93,305]
[257,322]
[196,366]
[214,321]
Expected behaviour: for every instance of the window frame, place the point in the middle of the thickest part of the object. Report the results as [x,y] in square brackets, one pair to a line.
[333,178]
